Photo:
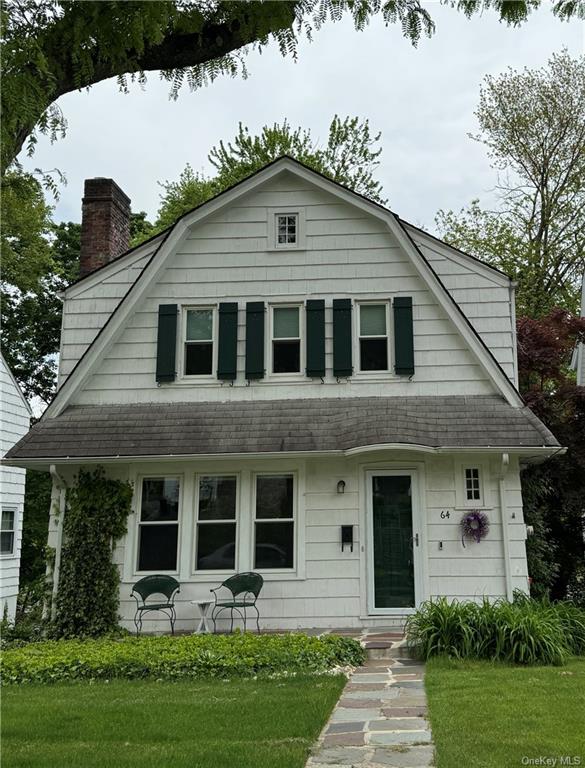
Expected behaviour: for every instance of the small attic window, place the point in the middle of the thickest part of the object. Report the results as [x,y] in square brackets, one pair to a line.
[287,226]
[472,484]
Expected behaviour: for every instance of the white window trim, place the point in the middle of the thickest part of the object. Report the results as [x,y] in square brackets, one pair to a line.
[383,373]
[198,378]
[291,375]
[462,502]
[215,573]
[299,212]
[11,555]
[136,553]
[295,518]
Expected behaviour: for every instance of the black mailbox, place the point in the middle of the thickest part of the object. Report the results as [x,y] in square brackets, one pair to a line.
[347,537]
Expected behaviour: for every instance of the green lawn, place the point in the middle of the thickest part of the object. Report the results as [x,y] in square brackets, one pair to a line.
[487,715]
[148,724]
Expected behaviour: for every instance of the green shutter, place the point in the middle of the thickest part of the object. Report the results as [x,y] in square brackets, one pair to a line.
[227,353]
[315,337]
[403,337]
[166,342]
[255,340]
[342,341]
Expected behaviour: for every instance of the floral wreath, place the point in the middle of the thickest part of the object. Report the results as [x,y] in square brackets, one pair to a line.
[474,525]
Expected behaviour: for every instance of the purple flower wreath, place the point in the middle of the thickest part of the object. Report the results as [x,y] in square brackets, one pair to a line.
[474,525]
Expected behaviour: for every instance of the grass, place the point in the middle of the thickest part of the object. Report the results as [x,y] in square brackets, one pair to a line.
[491,715]
[149,724]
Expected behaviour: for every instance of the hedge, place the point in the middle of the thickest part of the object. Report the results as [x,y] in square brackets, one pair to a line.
[188,656]
[521,632]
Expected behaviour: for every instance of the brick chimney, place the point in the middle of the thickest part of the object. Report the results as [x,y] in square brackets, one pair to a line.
[105,224]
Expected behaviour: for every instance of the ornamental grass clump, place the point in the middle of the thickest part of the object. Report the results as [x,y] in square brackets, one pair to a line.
[173,658]
[523,632]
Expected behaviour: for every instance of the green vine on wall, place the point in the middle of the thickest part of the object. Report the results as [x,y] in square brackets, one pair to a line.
[96,517]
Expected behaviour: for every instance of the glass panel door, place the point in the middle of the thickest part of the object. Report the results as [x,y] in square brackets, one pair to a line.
[392,541]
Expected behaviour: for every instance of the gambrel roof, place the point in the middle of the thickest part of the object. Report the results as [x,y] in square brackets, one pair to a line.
[168,242]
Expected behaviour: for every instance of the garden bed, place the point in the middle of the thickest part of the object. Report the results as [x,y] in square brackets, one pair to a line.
[169,658]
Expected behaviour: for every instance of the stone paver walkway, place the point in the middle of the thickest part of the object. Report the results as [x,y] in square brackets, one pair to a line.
[381,717]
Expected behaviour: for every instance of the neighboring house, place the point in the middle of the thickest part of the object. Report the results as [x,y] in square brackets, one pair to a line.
[14,423]
[288,365]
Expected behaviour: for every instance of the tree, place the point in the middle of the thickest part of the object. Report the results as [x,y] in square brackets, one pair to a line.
[553,491]
[533,125]
[53,47]
[349,157]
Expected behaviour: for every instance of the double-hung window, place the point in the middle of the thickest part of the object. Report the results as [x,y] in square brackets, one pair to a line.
[274,525]
[158,533]
[286,339]
[7,532]
[373,337]
[216,523]
[198,341]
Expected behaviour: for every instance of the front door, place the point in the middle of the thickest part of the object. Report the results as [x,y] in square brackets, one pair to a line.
[394,542]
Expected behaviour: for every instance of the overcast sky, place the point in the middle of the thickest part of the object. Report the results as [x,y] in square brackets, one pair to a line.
[422,99]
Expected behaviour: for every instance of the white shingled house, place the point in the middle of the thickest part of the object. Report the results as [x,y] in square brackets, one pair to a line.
[14,423]
[298,383]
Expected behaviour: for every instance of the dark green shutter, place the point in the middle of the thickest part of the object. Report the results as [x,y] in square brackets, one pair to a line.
[315,337]
[255,340]
[403,337]
[166,342]
[227,353]
[342,341]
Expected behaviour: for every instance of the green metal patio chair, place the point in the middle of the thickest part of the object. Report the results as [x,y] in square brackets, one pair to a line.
[244,589]
[157,584]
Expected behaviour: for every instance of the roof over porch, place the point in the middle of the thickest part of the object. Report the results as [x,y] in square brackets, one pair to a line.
[324,425]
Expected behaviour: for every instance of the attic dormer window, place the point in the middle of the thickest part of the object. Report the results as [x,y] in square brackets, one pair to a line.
[287,225]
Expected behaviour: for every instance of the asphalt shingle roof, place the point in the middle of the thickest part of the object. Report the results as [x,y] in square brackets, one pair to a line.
[281,425]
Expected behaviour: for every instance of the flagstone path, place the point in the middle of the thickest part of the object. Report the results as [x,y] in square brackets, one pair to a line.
[380,720]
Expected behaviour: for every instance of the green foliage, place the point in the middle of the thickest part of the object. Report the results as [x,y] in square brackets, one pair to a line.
[53,47]
[171,658]
[349,157]
[87,598]
[37,501]
[533,126]
[523,632]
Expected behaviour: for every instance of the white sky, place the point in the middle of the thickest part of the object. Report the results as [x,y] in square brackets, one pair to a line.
[422,99]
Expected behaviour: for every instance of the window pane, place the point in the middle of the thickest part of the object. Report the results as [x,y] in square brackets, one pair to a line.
[199,324]
[274,496]
[6,543]
[7,519]
[198,359]
[217,498]
[286,357]
[286,322]
[373,320]
[158,548]
[374,355]
[274,545]
[216,546]
[160,499]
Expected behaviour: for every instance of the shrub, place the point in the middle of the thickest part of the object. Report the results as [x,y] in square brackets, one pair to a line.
[523,632]
[221,656]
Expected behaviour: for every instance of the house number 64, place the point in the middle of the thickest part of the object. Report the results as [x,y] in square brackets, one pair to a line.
[445,514]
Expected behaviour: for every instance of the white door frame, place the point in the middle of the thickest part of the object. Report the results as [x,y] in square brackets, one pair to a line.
[418,529]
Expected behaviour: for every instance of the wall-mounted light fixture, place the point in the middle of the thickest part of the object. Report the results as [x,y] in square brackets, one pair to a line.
[341,486]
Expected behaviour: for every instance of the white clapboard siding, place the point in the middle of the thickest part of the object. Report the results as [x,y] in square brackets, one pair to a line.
[330,590]
[348,254]
[14,423]
[483,295]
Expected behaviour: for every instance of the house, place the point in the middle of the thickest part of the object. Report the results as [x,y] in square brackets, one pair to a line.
[14,423]
[297,382]
[578,360]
